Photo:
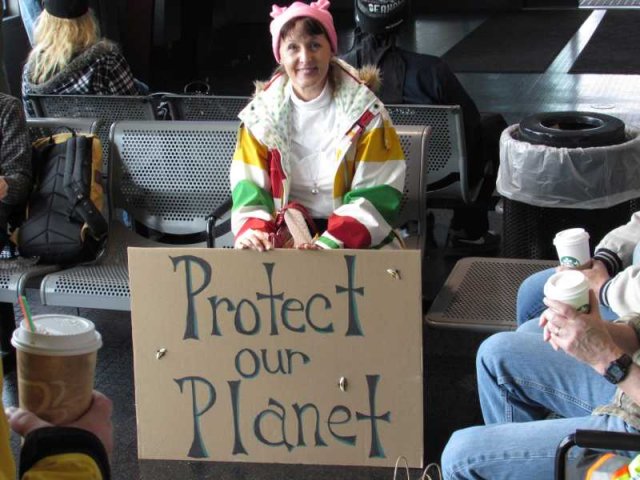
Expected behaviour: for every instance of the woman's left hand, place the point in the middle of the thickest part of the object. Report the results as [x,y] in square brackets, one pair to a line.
[584,336]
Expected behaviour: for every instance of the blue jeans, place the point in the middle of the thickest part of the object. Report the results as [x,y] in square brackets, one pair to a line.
[521,380]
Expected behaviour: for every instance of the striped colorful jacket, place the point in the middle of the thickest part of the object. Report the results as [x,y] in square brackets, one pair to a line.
[370,173]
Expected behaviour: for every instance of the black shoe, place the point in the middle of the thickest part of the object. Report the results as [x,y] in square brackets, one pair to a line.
[460,245]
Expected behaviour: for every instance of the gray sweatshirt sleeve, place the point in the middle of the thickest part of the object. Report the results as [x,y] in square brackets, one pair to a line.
[622,292]
[15,150]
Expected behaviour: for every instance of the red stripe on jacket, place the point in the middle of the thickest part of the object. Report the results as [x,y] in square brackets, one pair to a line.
[257,224]
[276,174]
[349,231]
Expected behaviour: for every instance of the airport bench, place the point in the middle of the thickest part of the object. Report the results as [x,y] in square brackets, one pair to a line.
[448,160]
[164,177]
[205,107]
[106,108]
[43,127]
[480,293]
[168,177]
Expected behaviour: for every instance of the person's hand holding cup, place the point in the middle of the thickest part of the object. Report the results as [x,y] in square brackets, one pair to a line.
[573,248]
[56,360]
[96,420]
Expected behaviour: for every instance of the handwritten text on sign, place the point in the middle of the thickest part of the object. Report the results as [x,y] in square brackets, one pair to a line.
[286,356]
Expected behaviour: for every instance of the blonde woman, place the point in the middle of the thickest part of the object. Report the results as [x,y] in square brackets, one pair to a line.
[69,57]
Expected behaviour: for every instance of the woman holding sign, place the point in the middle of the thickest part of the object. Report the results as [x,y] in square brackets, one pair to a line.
[316,148]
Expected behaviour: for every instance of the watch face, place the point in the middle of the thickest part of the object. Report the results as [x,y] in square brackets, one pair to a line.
[617,370]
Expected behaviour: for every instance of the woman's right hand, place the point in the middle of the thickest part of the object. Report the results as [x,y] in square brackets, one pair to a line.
[254,240]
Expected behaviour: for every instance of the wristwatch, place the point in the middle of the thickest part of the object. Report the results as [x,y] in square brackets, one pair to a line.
[618,369]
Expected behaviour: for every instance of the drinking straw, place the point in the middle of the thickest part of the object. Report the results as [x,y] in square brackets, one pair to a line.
[26,311]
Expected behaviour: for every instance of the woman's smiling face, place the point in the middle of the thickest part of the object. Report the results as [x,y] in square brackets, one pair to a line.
[306,60]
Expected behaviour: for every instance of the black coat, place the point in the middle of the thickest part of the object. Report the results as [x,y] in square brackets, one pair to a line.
[420,79]
[428,80]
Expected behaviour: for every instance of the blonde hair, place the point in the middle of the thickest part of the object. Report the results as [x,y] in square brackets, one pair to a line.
[58,41]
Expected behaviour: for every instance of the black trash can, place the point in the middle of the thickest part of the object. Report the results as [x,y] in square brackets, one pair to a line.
[547,188]
[529,230]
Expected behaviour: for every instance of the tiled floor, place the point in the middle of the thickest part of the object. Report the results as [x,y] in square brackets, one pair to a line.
[517,95]
[449,355]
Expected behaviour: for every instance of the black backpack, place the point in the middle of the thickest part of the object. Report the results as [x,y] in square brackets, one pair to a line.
[64,221]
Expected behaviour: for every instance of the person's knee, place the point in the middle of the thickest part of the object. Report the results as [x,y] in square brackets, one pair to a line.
[531,326]
[494,348]
[533,283]
[457,454]
[530,294]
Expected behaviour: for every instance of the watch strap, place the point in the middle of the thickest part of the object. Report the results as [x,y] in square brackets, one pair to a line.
[618,369]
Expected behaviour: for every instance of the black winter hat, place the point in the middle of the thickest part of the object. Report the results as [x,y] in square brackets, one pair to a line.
[380,16]
[66,8]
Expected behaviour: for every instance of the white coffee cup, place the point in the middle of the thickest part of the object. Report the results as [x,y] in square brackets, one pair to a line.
[570,287]
[56,366]
[573,247]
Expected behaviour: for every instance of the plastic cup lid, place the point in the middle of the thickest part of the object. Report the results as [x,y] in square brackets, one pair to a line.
[565,284]
[571,236]
[57,335]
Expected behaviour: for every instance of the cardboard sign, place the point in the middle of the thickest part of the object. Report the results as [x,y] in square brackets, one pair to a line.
[285,356]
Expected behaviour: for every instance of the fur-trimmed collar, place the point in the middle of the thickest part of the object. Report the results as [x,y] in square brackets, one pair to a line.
[80,62]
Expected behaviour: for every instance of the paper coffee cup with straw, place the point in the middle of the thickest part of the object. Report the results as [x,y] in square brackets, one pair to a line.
[56,359]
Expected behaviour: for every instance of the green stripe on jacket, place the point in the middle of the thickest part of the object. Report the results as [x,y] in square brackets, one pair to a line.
[384,198]
[247,194]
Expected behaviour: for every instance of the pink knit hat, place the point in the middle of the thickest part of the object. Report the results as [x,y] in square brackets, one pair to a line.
[317,10]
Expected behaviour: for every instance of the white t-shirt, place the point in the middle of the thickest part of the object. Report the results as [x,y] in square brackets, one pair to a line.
[313,152]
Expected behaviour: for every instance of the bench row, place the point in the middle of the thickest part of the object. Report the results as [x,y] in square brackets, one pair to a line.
[165,178]
[448,161]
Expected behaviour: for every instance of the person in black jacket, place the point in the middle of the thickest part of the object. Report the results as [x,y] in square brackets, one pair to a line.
[414,78]
[15,161]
